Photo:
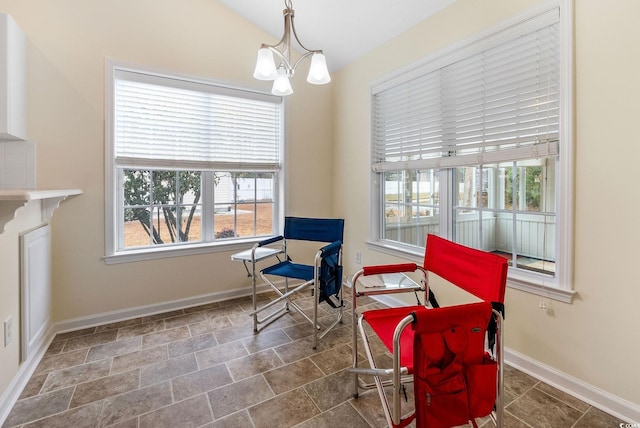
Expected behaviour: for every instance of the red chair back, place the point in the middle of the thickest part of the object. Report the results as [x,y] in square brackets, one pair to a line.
[478,272]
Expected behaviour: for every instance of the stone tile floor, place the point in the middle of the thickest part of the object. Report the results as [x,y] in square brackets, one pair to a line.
[204,367]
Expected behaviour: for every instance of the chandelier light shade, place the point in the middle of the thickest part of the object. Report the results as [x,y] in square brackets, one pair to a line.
[281,84]
[318,72]
[266,68]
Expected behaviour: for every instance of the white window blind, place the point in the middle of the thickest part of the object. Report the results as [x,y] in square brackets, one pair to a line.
[173,123]
[494,100]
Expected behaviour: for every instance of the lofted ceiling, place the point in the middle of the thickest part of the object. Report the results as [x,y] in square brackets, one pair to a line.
[343,29]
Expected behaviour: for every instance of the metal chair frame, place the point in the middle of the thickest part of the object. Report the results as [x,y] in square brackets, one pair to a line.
[422,287]
[304,229]
[397,375]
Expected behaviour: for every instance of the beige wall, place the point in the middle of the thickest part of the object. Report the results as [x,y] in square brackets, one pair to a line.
[595,338]
[68,41]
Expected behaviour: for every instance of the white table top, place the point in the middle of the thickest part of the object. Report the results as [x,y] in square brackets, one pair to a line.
[260,254]
[386,280]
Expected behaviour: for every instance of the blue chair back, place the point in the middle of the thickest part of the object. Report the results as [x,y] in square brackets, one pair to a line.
[314,229]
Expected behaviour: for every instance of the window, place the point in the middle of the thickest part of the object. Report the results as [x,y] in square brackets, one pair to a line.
[473,144]
[192,166]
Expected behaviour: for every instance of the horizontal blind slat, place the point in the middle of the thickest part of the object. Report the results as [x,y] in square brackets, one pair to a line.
[497,99]
[168,122]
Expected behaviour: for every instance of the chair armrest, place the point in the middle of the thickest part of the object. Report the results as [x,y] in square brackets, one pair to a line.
[396,268]
[258,253]
[380,287]
[329,249]
[269,241]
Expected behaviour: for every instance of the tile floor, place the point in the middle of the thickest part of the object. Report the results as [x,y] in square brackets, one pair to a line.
[204,367]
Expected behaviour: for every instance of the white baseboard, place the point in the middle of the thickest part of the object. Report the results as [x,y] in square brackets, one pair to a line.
[126,314]
[596,397]
[12,393]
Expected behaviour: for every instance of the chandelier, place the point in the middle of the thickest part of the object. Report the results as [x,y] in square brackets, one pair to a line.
[266,66]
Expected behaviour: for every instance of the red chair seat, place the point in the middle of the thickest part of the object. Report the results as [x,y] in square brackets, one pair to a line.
[384,321]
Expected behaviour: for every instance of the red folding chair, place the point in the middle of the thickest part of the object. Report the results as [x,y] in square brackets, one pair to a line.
[452,354]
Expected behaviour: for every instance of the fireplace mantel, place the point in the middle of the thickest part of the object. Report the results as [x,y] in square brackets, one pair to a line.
[11,200]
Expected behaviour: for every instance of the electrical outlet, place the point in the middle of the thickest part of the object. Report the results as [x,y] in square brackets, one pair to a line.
[358,257]
[8,331]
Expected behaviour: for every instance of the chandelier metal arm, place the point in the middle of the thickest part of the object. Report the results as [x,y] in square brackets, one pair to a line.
[285,61]
[266,69]
[287,65]
[285,42]
[295,35]
[308,53]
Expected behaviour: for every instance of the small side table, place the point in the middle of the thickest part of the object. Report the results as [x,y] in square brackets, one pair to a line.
[386,283]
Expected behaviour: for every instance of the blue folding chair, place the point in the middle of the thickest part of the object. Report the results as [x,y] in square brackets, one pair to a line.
[323,277]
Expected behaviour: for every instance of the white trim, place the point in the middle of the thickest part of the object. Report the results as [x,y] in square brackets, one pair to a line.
[398,249]
[590,394]
[529,283]
[110,185]
[27,368]
[565,181]
[179,250]
[158,308]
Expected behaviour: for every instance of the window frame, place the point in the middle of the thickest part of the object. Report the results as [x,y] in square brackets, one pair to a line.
[560,286]
[113,199]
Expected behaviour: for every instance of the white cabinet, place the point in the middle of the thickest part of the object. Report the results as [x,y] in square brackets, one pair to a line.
[13,75]
[35,289]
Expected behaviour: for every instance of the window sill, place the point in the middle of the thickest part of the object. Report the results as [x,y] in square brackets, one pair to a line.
[519,280]
[153,253]
[531,283]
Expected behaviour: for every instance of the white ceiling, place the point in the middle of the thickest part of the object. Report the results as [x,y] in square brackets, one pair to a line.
[343,29]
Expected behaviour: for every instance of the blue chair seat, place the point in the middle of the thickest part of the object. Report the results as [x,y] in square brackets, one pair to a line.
[288,269]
